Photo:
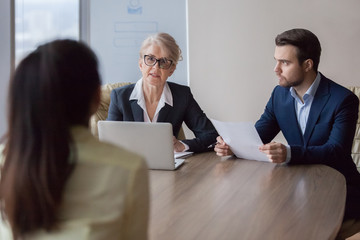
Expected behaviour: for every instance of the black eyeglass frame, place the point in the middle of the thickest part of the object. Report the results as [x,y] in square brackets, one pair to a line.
[158,61]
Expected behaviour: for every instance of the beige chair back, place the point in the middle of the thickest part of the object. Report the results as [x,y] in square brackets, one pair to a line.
[355,153]
[102,112]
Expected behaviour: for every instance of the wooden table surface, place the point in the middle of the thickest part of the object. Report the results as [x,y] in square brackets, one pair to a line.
[212,198]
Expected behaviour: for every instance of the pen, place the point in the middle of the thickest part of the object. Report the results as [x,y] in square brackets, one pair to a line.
[212,145]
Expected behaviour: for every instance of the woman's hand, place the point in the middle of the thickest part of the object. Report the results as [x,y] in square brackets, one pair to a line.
[178,146]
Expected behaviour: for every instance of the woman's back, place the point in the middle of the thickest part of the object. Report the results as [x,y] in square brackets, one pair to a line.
[106,197]
[57,181]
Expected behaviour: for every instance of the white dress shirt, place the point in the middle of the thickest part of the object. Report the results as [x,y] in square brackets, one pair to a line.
[302,109]
[138,94]
[166,97]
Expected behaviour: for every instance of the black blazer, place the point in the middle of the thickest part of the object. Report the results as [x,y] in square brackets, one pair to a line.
[184,109]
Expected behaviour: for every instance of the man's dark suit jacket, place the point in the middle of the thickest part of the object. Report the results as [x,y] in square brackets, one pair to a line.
[328,135]
[184,109]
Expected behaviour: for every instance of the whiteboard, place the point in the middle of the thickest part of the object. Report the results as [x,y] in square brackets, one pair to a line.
[118,27]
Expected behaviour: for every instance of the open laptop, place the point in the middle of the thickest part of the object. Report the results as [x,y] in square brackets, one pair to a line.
[153,141]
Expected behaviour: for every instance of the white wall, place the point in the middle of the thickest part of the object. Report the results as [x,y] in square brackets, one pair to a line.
[231,47]
[5,56]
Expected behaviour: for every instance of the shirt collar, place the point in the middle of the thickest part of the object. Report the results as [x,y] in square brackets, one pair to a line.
[138,94]
[311,91]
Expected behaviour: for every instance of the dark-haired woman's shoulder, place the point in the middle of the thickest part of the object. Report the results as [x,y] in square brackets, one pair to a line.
[109,186]
[90,149]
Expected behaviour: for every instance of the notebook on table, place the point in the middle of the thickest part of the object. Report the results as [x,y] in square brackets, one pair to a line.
[153,141]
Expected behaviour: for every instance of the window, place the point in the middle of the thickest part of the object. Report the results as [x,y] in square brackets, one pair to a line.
[39,21]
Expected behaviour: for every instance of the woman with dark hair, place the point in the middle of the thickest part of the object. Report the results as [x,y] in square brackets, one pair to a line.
[57,180]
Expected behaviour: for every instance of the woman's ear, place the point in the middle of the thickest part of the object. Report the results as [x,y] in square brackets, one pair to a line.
[172,70]
[140,63]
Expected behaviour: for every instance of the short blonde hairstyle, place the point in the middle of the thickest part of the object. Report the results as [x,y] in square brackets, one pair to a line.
[165,41]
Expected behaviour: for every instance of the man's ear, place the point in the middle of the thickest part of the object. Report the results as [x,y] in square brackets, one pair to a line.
[308,65]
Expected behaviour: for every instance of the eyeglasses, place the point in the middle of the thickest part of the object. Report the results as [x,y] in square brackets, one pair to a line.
[164,63]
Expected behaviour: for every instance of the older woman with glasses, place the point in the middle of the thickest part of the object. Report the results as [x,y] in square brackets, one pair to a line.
[153,99]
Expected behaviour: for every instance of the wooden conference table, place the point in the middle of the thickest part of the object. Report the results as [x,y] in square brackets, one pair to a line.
[212,198]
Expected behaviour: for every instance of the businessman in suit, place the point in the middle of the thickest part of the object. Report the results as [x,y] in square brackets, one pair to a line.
[316,115]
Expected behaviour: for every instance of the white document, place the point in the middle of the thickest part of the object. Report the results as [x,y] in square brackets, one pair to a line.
[182,154]
[243,139]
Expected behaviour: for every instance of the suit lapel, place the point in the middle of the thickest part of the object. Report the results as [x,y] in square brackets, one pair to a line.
[137,111]
[321,98]
[164,112]
[293,127]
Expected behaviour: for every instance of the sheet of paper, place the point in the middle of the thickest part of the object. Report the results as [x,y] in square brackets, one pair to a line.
[243,139]
[182,154]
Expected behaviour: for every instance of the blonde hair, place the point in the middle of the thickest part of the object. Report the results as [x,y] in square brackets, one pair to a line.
[165,41]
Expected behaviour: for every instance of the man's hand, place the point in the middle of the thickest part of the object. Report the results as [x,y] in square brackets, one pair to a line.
[276,152]
[221,148]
